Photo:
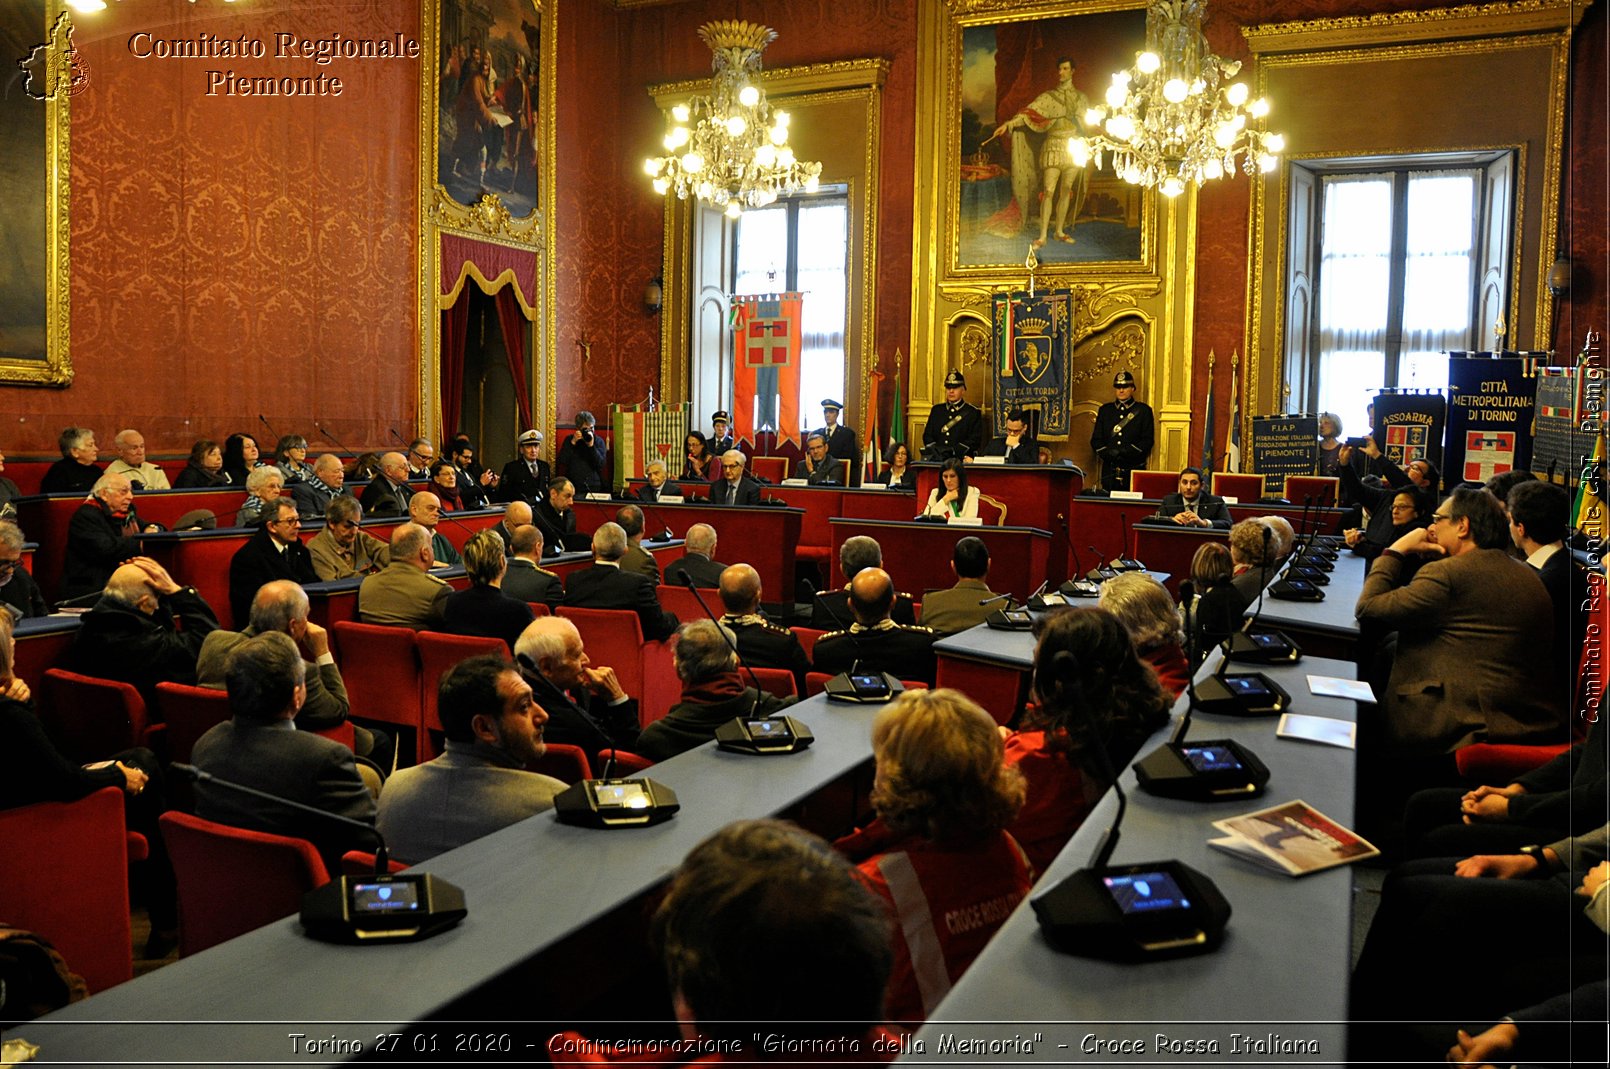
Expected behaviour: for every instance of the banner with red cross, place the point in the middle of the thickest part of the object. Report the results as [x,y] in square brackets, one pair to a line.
[767,337]
[1487,453]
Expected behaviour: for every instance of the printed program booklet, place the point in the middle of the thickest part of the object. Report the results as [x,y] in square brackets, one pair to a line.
[1293,838]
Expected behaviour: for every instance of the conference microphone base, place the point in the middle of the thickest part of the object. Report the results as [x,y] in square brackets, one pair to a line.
[615,803]
[395,908]
[1147,912]
[1261,647]
[1240,694]
[864,688]
[763,735]
[1215,770]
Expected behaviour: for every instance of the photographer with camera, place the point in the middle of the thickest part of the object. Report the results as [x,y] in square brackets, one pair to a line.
[581,458]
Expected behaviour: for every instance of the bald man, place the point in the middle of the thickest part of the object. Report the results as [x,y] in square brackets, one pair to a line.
[425,509]
[130,634]
[388,493]
[515,516]
[527,580]
[761,643]
[405,594]
[698,559]
[874,641]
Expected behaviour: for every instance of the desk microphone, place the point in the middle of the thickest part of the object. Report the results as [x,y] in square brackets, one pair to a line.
[385,907]
[338,444]
[264,421]
[1007,619]
[1260,647]
[1078,586]
[1102,571]
[1121,562]
[666,533]
[1040,601]
[401,441]
[856,685]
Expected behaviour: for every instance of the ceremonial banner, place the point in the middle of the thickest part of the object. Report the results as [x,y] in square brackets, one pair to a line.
[1232,460]
[1489,417]
[1281,446]
[1033,349]
[641,435]
[1207,428]
[767,337]
[1555,439]
[1409,427]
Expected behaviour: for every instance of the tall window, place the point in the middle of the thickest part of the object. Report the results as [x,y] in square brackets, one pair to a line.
[1397,277]
[801,244]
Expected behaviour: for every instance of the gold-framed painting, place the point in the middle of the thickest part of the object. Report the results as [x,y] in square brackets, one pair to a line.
[1020,78]
[34,298]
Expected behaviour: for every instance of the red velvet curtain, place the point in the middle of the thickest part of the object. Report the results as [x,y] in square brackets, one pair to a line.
[513,322]
[454,334]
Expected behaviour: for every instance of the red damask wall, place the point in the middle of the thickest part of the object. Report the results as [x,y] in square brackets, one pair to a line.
[237,256]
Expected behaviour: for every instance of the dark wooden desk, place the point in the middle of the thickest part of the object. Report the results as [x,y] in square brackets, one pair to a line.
[917,555]
[1035,495]
[764,537]
[1170,549]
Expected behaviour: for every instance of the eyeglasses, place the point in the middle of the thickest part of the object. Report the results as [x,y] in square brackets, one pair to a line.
[7,565]
[292,522]
[1441,516]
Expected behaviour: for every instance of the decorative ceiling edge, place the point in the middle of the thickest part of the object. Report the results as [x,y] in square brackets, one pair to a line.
[1398,27]
[790,81]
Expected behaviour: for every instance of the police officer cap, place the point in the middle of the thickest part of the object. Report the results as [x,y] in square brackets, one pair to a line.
[834,405]
[719,417]
[954,380]
[1122,379]
[529,438]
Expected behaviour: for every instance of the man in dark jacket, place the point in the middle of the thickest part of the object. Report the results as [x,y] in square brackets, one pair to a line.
[586,705]
[102,534]
[131,635]
[605,586]
[761,643]
[274,551]
[525,478]
[581,458]
[712,694]
[697,560]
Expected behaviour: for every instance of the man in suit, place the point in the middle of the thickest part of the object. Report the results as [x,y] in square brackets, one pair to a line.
[720,435]
[526,579]
[132,635]
[636,560]
[697,560]
[425,509]
[421,455]
[475,484]
[554,516]
[874,642]
[1192,506]
[958,608]
[955,428]
[581,458]
[274,551]
[260,747]
[821,469]
[651,491]
[1468,624]
[586,705]
[525,478]
[282,606]
[734,487]
[1123,434]
[830,609]
[480,783]
[103,533]
[605,586]
[387,493]
[327,482]
[1537,525]
[761,643]
[841,441]
[1017,445]
[516,514]
[405,594]
[344,550]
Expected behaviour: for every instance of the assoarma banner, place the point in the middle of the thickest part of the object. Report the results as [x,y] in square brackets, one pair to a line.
[1282,446]
[1409,426]
[1032,348]
[1490,406]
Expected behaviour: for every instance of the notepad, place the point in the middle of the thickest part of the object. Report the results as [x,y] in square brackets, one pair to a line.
[1326,730]
[1336,687]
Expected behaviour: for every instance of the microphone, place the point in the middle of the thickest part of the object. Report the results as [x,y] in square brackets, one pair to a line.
[1077,586]
[854,685]
[1127,564]
[998,597]
[402,441]
[264,421]
[1102,571]
[338,444]
[665,534]
[1261,647]
[687,581]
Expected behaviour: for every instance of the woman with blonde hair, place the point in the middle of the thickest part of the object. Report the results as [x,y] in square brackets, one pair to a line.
[939,852]
[484,609]
[1143,606]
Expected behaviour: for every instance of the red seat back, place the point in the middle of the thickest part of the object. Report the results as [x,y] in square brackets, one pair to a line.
[1151,483]
[90,719]
[614,637]
[362,863]
[679,600]
[807,638]
[69,882]
[189,712]
[437,653]
[778,681]
[563,762]
[380,666]
[232,881]
[773,468]
[1322,488]
[1244,488]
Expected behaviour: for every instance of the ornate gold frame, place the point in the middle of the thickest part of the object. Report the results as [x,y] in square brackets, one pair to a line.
[1471,30]
[851,80]
[487,220]
[56,369]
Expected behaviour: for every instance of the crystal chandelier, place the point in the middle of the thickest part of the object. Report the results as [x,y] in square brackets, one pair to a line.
[1176,117]
[729,148]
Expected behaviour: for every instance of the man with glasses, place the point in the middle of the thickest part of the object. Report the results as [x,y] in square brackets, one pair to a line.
[17,588]
[821,469]
[735,488]
[275,551]
[421,455]
[344,550]
[1421,476]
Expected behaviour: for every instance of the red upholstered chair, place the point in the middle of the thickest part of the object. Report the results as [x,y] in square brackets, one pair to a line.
[563,762]
[646,670]
[679,599]
[362,863]
[991,511]
[438,653]
[1150,483]
[540,608]
[90,719]
[807,638]
[623,762]
[816,682]
[778,681]
[67,879]
[1244,488]
[1322,488]
[189,713]
[773,468]
[232,881]
[380,666]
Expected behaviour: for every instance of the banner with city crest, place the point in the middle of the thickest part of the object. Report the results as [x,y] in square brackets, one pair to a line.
[1033,350]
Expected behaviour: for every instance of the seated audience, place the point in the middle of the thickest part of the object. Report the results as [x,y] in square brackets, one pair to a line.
[365,467]
[404,593]
[526,477]
[897,472]
[699,463]
[713,693]
[830,609]
[444,484]
[874,642]
[263,488]
[388,492]
[425,509]
[241,457]
[480,783]
[819,469]
[421,455]
[260,747]
[103,533]
[290,457]
[516,514]
[734,487]
[1565,1029]
[484,609]
[1409,509]
[17,587]
[605,586]
[697,560]
[761,643]
[636,560]
[274,551]
[1538,517]
[1218,607]
[475,484]
[1501,484]
[1086,674]
[134,632]
[1192,506]
[952,499]
[131,463]
[1285,536]
[957,608]
[581,457]
[1017,445]
[939,849]
[205,471]
[325,481]
[555,518]
[655,474]
[1420,476]
[1252,558]
[76,472]
[586,706]
[343,549]
[282,606]
[1143,606]
[526,579]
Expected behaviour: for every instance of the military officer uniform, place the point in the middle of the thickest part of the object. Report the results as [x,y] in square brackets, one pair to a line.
[403,596]
[720,437]
[524,581]
[1123,436]
[841,440]
[953,428]
[903,650]
[830,609]
[763,644]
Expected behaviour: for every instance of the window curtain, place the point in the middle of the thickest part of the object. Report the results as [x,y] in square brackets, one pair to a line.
[1355,270]
[1438,252]
[455,328]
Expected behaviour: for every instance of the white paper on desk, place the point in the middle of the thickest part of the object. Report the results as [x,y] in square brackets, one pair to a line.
[1325,730]
[1336,687]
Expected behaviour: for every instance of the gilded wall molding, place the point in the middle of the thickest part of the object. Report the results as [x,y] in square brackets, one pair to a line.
[1438,24]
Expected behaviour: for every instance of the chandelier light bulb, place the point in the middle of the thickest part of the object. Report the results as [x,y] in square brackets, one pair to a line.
[1224,135]
[651,167]
[736,126]
[733,209]
[812,184]
[765,156]
[1148,62]
[1175,90]
[661,185]
[1121,78]
[779,136]
[749,96]
[705,191]
[1275,143]
[1079,150]
[1267,163]
[1121,127]
[693,163]
[1197,87]
[1171,186]
[1259,108]
[1116,95]
[1132,175]
[1094,117]
[680,113]
[1236,94]
[785,156]
[781,118]
[1212,170]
